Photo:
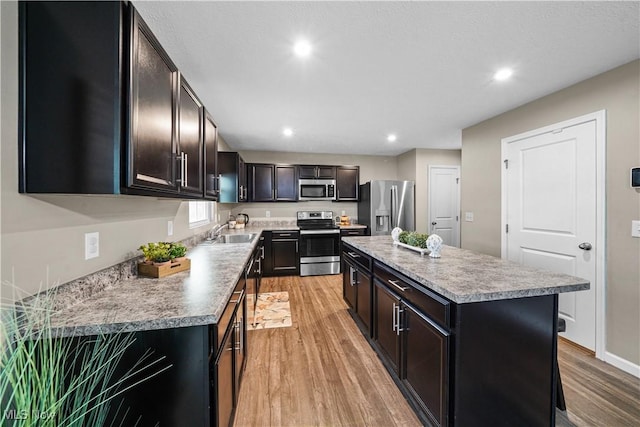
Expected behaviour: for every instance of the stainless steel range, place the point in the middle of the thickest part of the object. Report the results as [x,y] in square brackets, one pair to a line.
[319,243]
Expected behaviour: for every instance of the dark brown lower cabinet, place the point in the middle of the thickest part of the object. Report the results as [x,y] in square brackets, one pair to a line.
[356,291]
[425,363]
[282,253]
[386,334]
[223,384]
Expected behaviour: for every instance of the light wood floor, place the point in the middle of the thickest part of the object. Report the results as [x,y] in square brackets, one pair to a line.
[322,372]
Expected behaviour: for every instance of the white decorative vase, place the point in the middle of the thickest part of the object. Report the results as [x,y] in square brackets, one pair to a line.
[395,233]
[434,244]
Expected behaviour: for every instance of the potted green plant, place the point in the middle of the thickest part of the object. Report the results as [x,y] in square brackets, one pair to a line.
[156,253]
[177,251]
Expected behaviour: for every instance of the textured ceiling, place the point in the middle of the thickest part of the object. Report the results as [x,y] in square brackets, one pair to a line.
[421,70]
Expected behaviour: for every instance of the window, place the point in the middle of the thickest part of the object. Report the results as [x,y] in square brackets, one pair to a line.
[200,213]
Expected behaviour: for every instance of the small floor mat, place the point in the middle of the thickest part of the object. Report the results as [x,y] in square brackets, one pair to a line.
[272,311]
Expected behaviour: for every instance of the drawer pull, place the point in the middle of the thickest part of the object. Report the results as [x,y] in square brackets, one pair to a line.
[353,255]
[284,234]
[395,284]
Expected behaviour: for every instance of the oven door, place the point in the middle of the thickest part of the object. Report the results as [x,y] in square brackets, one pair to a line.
[319,252]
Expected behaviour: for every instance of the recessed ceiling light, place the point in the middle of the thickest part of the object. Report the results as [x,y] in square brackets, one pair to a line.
[503,74]
[391,138]
[302,48]
[287,132]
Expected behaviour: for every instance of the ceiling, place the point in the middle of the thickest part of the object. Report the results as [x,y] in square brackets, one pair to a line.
[420,70]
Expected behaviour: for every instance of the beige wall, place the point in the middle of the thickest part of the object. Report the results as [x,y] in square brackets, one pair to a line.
[617,92]
[414,166]
[43,236]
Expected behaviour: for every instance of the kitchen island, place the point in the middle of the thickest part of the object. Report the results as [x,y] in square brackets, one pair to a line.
[470,339]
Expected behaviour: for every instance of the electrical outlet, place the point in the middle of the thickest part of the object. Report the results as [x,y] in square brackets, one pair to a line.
[91,245]
[268,214]
[635,228]
[468,216]
[169,228]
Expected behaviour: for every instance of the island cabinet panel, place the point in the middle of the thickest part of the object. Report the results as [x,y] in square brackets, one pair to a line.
[505,353]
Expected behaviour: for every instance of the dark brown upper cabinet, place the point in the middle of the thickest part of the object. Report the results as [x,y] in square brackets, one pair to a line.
[71,96]
[347,183]
[312,171]
[272,183]
[103,109]
[152,159]
[190,140]
[211,177]
[233,177]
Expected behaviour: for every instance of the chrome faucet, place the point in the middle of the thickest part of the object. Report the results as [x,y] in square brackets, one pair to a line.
[216,231]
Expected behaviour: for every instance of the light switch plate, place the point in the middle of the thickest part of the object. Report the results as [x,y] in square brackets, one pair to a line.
[91,245]
[268,214]
[169,228]
[468,216]
[635,228]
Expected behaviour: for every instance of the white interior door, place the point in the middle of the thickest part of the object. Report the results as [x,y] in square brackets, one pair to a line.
[551,208]
[444,203]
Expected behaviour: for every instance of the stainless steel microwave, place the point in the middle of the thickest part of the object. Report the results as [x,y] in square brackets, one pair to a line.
[316,189]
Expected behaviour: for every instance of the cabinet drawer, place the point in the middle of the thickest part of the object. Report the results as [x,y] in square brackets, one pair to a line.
[354,232]
[429,303]
[359,258]
[284,234]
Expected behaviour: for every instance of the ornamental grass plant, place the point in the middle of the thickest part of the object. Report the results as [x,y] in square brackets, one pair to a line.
[72,381]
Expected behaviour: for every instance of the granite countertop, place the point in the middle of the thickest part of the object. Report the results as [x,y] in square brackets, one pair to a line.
[464,276]
[190,298]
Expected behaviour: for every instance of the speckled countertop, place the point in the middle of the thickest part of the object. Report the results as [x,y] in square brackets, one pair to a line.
[465,276]
[190,298]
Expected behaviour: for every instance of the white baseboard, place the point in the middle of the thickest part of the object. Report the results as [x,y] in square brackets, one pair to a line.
[623,364]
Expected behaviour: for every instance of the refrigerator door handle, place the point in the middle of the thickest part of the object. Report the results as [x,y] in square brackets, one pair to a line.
[394,206]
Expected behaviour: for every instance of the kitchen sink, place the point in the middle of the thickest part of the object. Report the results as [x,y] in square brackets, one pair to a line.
[236,238]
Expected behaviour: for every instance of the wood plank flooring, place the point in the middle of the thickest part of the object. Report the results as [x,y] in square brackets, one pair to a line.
[322,372]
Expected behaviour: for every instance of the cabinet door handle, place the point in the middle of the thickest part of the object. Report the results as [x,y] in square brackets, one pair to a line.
[395,284]
[239,297]
[296,246]
[186,169]
[352,272]
[398,319]
[393,318]
[262,252]
[273,194]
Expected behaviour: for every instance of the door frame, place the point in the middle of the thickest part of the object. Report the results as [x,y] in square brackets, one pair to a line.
[457,168]
[601,135]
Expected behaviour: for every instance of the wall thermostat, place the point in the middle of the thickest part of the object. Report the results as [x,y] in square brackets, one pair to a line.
[635,177]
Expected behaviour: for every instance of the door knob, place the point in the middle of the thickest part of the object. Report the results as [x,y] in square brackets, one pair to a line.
[586,246]
[433,223]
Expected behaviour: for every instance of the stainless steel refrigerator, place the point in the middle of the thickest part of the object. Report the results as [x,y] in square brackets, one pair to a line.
[385,205]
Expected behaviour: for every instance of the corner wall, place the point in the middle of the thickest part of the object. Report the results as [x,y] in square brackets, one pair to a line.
[618,92]
[42,236]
